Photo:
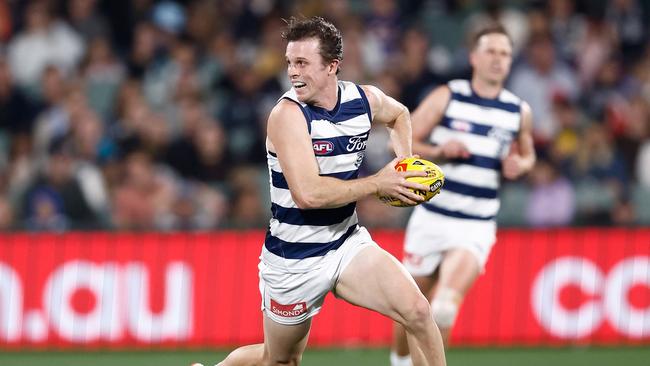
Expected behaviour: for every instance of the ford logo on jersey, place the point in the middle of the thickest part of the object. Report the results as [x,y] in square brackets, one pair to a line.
[323,147]
[357,143]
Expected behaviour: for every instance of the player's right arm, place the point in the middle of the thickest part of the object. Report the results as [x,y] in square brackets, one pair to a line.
[425,118]
[289,138]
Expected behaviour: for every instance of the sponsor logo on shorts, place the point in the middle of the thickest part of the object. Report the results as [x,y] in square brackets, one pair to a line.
[288,311]
[413,259]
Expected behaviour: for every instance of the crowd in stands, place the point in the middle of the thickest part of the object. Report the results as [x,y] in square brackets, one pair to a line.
[150,115]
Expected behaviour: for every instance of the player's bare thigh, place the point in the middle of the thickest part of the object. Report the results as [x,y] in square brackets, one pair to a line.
[285,344]
[374,279]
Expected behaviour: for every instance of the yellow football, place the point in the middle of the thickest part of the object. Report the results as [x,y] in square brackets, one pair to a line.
[434,180]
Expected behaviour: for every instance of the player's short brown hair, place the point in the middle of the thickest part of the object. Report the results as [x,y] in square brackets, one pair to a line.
[331,41]
[493,28]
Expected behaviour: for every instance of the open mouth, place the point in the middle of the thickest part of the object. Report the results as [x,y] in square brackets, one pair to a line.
[298,84]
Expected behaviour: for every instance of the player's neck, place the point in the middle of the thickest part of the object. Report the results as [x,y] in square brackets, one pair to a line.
[329,97]
[486,89]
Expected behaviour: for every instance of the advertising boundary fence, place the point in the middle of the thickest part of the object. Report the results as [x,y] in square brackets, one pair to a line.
[142,290]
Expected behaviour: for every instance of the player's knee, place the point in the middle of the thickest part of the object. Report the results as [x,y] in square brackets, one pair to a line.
[445,307]
[418,314]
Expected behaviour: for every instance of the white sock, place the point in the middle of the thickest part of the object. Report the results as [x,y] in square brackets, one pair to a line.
[397,360]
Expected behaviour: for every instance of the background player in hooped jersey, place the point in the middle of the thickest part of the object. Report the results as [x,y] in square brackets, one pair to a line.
[476,129]
[314,244]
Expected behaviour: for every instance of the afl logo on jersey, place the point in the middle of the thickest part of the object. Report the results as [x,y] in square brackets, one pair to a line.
[459,125]
[323,147]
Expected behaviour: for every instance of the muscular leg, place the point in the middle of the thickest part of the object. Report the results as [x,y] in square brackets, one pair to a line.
[400,345]
[283,345]
[458,271]
[375,280]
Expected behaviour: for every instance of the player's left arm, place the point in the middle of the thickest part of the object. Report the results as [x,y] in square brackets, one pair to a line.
[522,156]
[394,115]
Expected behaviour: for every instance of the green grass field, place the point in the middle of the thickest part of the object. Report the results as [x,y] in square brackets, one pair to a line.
[632,356]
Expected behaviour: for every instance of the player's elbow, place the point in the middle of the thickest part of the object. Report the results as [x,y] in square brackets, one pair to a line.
[306,200]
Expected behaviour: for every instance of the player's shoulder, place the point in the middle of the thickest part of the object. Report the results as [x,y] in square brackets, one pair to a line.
[506,96]
[459,86]
[285,109]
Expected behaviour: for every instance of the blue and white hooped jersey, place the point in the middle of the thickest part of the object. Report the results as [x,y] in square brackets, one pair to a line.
[487,127]
[339,141]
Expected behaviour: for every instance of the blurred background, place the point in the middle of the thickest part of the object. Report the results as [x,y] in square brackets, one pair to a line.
[143,121]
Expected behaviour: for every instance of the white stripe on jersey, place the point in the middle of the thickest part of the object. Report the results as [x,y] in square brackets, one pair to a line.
[472,175]
[492,116]
[451,201]
[507,96]
[311,234]
[338,163]
[325,129]
[282,197]
[273,163]
[477,144]
[460,87]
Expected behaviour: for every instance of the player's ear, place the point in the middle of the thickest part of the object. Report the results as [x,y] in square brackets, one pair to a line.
[333,67]
[472,57]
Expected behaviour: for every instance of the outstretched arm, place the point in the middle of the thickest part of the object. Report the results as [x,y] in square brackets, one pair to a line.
[394,115]
[521,158]
[289,138]
[425,118]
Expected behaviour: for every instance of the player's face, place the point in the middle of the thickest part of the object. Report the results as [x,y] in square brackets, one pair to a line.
[492,57]
[307,72]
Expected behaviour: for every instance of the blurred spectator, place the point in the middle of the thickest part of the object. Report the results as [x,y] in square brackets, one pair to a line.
[552,199]
[417,78]
[627,18]
[606,91]
[495,11]
[46,40]
[200,151]
[86,20]
[383,31]
[6,215]
[595,48]
[54,121]
[642,164]
[247,209]
[161,104]
[565,143]
[63,195]
[17,111]
[5,21]
[145,197]
[566,27]
[601,176]
[550,78]
[102,73]
[143,50]
[245,111]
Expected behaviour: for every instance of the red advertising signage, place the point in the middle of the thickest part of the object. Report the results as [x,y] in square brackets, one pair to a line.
[139,290]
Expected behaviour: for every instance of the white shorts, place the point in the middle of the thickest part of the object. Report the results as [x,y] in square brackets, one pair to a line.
[293,290]
[429,235]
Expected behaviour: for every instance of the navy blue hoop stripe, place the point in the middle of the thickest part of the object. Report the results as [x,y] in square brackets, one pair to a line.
[290,250]
[490,103]
[479,161]
[469,190]
[455,214]
[279,181]
[469,126]
[347,110]
[316,217]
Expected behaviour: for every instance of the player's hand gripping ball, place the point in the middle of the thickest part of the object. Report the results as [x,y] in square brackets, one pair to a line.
[435,179]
